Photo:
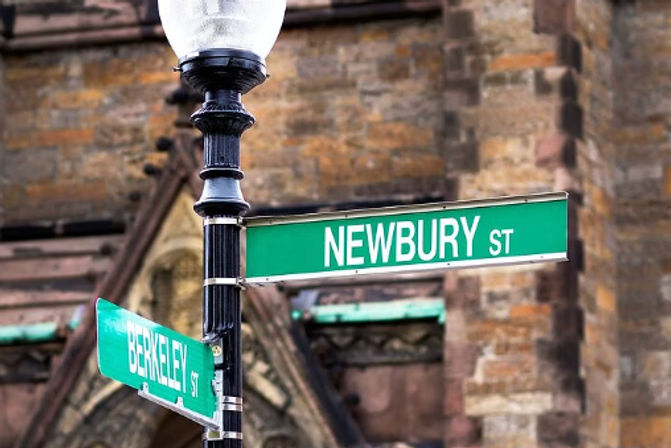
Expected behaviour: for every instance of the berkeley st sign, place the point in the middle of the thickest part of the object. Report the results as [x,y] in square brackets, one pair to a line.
[167,367]
[399,239]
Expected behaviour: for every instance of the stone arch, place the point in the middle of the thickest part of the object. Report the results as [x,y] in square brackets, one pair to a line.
[170,278]
[175,431]
[167,289]
[280,441]
[121,419]
[176,290]
[103,412]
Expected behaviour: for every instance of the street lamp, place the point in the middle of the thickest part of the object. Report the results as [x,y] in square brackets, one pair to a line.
[221,46]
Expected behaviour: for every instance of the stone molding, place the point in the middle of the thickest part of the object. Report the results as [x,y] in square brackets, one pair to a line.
[30,27]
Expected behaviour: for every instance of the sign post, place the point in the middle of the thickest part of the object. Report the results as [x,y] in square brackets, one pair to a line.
[166,367]
[465,234]
[179,373]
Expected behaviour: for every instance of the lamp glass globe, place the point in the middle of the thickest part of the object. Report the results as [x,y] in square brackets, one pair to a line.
[196,25]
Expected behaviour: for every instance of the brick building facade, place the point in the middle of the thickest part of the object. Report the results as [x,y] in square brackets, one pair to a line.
[369,103]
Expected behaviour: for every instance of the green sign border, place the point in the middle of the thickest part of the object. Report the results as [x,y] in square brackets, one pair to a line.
[255,223]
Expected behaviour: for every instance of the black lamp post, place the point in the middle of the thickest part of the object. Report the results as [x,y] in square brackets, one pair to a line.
[221,45]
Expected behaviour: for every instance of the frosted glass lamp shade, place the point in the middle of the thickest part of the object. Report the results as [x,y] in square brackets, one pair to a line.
[197,25]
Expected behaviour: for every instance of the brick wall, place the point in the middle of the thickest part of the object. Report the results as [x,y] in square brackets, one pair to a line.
[352,113]
[3,180]
[512,124]
[599,352]
[501,97]
[561,92]
[79,127]
[640,215]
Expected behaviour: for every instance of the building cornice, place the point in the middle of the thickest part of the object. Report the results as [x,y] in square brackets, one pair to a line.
[34,27]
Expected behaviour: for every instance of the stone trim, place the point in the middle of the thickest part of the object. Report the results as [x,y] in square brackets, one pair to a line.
[560,356]
[113,285]
[461,90]
[28,28]
[459,361]
[554,16]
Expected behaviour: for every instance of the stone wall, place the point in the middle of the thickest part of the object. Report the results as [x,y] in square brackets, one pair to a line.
[599,352]
[642,185]
[352,113]
[80,125]
[3,181]
[279,409]
[511,349]
[501,97]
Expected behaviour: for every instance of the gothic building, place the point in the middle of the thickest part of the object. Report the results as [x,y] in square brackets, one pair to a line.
[369,103]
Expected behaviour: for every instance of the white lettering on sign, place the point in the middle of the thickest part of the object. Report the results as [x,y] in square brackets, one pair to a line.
[379,242]
[132,353]
[403,241]
[495,239]
[194,384]
[450,239]
[353,244]
[155,357]
[427,256]
[163,358]
[330,245]
[470,234]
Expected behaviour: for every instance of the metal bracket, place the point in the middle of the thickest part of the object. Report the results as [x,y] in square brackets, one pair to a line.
[179,408]
[226,221]
[221,435]
[232,404]
[215,425]
[217,387]
[225,403]
[237,282]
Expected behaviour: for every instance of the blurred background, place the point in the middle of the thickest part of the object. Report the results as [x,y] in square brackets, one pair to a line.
[370,103]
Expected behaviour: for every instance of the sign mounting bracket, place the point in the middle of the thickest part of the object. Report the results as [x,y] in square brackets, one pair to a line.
[178,407]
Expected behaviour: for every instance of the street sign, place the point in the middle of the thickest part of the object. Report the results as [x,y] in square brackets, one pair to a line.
[464,234]
[168,368]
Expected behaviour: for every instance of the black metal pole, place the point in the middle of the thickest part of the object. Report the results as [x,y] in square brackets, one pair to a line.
[223,75]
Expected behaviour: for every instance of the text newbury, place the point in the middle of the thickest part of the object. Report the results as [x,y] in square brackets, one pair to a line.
[400,239]
[361,244]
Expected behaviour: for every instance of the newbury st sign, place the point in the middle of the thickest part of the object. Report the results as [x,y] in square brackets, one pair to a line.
[401,239]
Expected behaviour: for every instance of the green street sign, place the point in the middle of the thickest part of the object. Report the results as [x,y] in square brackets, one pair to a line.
[168,368]
[512,230]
